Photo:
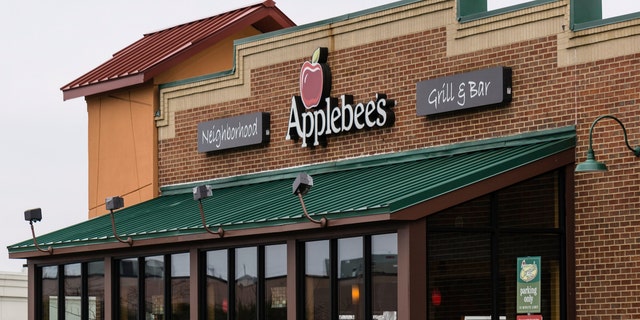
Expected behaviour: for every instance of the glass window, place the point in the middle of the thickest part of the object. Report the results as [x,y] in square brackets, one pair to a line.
[49,293]
[475,9]
[246,283]
[95,290]
[472,268]
[351,271]
[317,282]
[154,287]
[351,278]
[275,283]
[384,277]
[259,288]
[593,13]
[72,291]
[217,285]
[129,291]
[180,286]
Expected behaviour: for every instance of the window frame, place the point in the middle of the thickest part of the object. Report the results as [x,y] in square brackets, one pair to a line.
[366,294]
[477,15]
[60,289]
[141,284]
[494,230]
[577,25]
[232,278]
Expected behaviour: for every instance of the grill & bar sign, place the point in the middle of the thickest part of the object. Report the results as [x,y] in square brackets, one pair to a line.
[463,91]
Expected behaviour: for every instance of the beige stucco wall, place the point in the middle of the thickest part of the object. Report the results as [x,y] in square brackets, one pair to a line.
[13,295]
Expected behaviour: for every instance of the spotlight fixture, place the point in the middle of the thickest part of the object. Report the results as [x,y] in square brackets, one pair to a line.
[35,215]
[301,187]
[203,192]
[115,203]
[590,164]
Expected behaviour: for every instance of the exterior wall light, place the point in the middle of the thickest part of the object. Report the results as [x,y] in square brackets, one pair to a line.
[199,193]
[35,215]
[590,164]
[115,203]
[301,187]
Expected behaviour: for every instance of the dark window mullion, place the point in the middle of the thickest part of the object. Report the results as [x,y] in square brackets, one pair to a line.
[168,312]
[84,295]
[142,273]
[231,275]
[495,264]
[368,310]
[260,304]
[61,296]
[562,200]
[300,280]
[333,276]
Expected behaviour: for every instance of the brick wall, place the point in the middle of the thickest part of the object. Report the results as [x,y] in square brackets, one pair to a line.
[607,226]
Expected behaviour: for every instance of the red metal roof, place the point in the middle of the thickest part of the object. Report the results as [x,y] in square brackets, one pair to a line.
[158,51]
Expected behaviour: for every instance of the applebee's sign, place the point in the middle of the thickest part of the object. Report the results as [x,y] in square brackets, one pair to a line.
[314,115]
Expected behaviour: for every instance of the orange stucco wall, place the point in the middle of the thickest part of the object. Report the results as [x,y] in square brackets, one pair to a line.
[218,57]
[122,147]
[122,133]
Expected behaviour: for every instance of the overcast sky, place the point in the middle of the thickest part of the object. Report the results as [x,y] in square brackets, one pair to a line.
[47,44]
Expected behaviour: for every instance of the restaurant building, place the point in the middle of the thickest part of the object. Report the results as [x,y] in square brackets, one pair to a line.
[411,161]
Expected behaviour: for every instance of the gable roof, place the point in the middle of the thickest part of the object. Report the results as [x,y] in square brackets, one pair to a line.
[400,186]
[158,51]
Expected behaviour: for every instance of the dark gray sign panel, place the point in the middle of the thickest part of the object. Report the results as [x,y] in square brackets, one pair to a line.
[463,91]
[240,131]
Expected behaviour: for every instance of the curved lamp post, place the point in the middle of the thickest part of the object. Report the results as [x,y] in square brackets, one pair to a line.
[115,203]
[203,192]
[591,164]
[35,215]
[301,187]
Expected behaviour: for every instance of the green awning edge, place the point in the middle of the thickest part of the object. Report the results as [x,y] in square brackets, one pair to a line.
[536,145]
[566,134]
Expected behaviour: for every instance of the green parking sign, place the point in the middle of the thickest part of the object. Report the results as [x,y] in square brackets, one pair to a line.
[528,285]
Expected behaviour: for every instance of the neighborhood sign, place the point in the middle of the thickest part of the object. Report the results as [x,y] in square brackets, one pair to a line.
[240,131]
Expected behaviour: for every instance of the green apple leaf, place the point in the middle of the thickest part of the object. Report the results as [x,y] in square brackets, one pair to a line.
[315,57]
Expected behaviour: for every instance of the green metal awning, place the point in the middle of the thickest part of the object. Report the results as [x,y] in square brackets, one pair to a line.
[379,187]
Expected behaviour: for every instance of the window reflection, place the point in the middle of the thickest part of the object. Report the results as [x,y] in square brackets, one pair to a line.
[275,281]
[95,290]
[154,287]
[128,295]
[49,293]
[180,286]
[72,291]
[384,278]
[246,283]
[217,285]
[317,281]
[351,271]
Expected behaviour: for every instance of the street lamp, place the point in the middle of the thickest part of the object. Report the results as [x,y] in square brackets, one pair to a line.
[301,187]
[35,215]
[591,164]
[115,203]
[203,192]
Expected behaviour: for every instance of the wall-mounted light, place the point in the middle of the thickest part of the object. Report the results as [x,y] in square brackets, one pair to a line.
[115,203]
[590,164]
[199,193]
[301,187]
[35,215]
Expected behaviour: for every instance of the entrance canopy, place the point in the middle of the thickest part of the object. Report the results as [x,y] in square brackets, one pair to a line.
[400,186]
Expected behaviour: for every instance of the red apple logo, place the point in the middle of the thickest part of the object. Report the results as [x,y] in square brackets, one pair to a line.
[315,79]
